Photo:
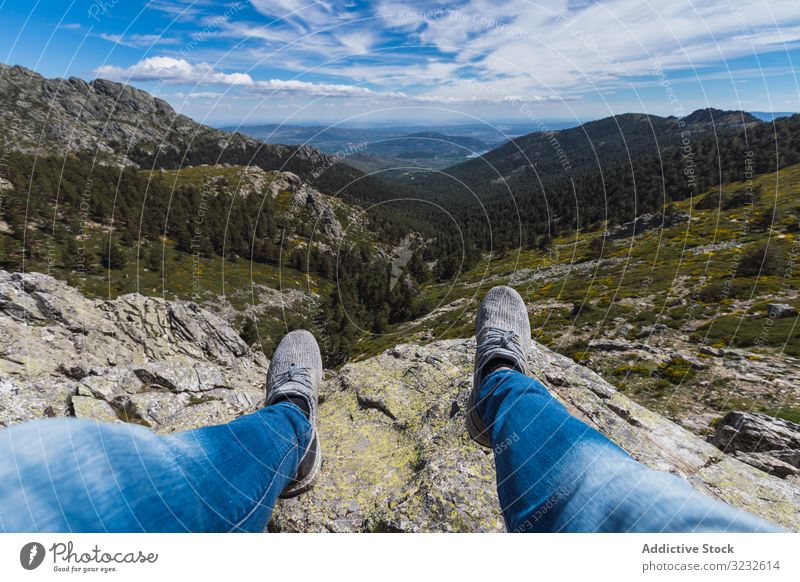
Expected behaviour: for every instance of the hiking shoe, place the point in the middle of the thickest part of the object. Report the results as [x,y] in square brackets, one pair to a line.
[294,375]
[503,339]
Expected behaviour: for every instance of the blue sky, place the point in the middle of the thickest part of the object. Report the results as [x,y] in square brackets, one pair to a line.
[353,61]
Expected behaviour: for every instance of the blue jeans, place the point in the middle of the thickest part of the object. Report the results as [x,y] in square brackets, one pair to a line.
[557,474]
[71,475]
[554,473]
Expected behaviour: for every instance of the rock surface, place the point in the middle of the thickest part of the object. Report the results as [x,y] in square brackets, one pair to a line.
[169,365]
[396,455]
[771,444]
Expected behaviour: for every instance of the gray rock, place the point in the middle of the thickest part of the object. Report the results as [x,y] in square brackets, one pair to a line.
[753,436]
[93,409]
[145,359]
[421,473]
[711,351]
[650,330]
[769,464]
[779,310]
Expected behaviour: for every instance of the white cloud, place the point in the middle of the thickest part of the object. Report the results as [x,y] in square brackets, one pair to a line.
[321,89]
[307,13]
[420,51]
[561,46]
[137,40]
[172,70]
[179,71]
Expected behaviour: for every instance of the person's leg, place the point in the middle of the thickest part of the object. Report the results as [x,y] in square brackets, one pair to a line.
[76,475]
[555,473]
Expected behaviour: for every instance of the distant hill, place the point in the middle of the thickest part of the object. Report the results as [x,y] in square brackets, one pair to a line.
[595,144]
[772,115]
[379,148]
[542,184]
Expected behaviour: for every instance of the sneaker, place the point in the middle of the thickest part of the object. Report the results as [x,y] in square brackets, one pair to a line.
[294,375]
[503,339]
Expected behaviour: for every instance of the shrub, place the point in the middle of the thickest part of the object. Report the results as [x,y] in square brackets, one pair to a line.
[763,259]
[249,333]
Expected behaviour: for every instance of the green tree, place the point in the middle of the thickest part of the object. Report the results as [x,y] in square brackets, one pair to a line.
[113,256]
[762,259]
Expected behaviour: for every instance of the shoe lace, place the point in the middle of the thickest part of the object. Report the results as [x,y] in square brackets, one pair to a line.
[298,374]
[496,338]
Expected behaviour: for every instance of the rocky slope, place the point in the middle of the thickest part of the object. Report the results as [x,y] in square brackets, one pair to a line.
[396,454]
[122,124]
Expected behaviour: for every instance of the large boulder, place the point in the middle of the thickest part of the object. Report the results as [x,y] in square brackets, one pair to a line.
[780,310]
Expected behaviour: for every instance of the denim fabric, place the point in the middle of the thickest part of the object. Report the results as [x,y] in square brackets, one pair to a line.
[557,474]
[69,475]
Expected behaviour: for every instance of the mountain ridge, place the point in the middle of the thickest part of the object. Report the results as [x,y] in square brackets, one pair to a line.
[121,124]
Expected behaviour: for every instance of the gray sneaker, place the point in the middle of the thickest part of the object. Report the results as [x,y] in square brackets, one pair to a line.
[503,337]
[294,374]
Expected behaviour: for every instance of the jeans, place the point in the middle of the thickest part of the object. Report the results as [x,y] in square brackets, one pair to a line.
[557,474]
[69,475]
[554,473]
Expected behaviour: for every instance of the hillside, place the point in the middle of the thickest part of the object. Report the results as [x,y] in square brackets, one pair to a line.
[596,144]
[613,169]
[263,249]
[397,457]
[684,308]
[117,124]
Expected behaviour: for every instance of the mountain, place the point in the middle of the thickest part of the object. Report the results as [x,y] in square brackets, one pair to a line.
[417,145]
[335,138]
[415,155]
[771,115]
[593,145]
[540,185]
[392,424]
[120,124]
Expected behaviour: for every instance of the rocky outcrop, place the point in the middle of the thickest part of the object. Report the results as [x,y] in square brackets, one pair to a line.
[771,444]
[644,223]
[169,365]
[396,455]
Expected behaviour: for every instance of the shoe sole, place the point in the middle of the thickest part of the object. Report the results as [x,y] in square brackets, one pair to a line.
[297,487]
[475,426]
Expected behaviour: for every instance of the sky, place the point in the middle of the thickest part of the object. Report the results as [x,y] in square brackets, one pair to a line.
[353,62]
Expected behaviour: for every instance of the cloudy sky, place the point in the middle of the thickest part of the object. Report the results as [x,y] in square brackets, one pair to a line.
[351,61]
